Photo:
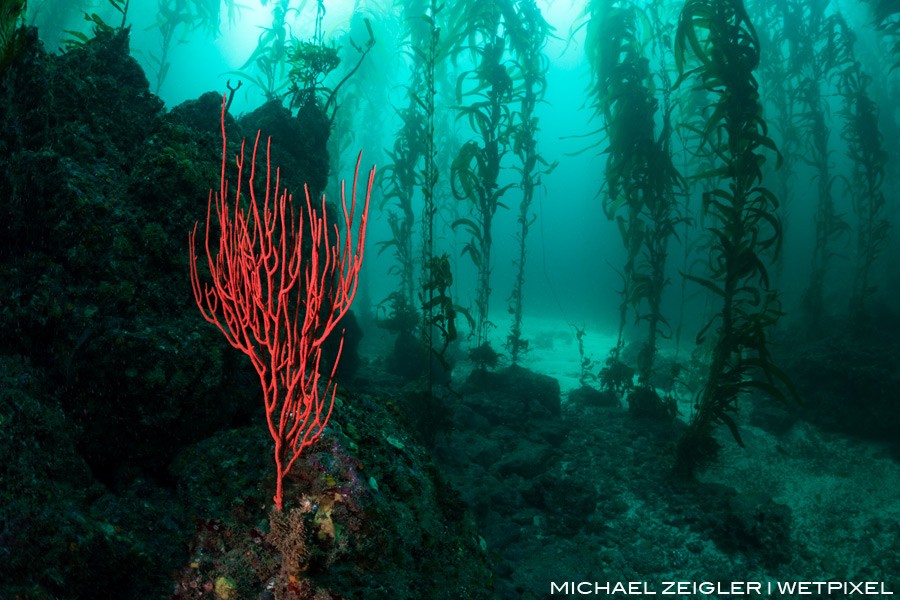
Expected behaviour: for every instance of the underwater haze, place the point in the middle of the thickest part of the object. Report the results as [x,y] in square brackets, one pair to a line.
[490,299]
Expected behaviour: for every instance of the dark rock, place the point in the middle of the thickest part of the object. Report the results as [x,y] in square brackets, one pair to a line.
[513,396]
[751,524]
[586,396]
[299,147]
[527,461]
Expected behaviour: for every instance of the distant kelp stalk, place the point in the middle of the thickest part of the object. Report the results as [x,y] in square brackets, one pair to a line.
[642,183]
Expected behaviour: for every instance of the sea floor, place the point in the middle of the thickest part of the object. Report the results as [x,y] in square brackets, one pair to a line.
[591,497]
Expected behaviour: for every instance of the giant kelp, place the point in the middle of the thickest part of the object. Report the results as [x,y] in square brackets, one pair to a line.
[176,19]
[528,35]
[865,147]
[743,224]
[779,69]
[484,95]
[886,17]
[642,182]
[821,54]
[409,156]
[423,296]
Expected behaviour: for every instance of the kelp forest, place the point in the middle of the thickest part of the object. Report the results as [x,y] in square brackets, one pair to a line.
[331,299]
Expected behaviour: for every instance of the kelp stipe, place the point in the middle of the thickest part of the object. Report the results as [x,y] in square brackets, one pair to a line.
[621,97]
[823,54]
[438,309]
[780,65]
[527,38]
[400,181]
[400,184]
[865,147]
[412,171]
[484,96]
[741,219]
[642,181]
